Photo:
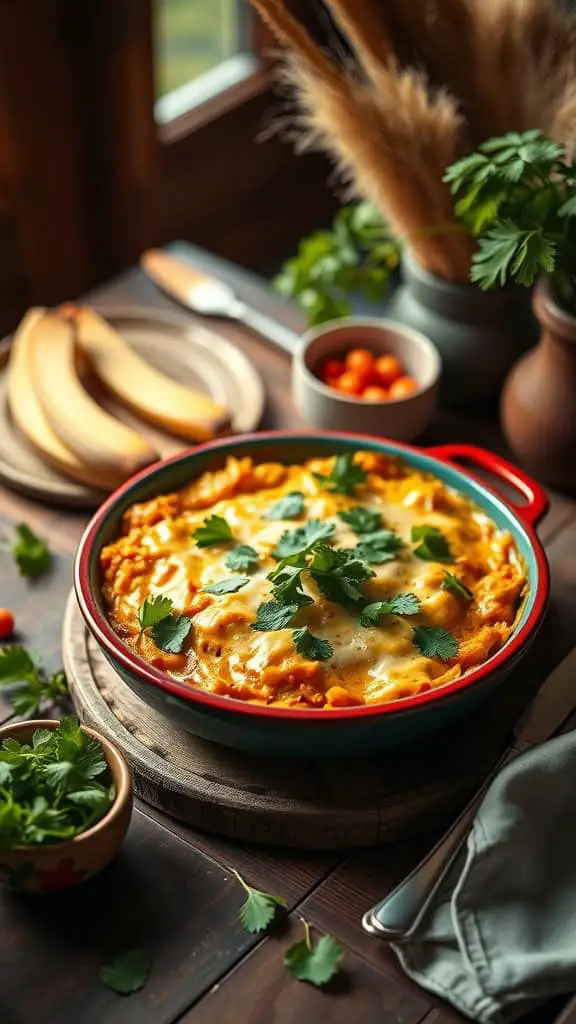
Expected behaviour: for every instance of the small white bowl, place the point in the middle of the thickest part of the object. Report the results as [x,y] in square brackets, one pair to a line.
[402,419]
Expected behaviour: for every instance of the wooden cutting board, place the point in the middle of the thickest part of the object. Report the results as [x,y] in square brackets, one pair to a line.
[323,804]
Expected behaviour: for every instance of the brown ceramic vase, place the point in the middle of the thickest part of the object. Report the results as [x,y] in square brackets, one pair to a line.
[539,399]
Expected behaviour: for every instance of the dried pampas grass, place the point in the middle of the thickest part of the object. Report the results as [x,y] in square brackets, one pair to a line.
[429,81]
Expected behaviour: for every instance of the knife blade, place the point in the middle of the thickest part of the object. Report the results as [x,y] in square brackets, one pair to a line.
[209,296]
[398,915]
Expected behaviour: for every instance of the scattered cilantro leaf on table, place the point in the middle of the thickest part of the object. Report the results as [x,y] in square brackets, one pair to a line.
[214,530]
[338,572]
[241,558]
[457,587]
[259,908]
[316,962]
[433,546]
[31,553]
[289,507]
[361,519]
[38,689]
[171,633]
[380,546]
[310,646]
[435,642]
[399,604]
[231,585]
[297,542]
[126,972]
[153,610]
[272,615]
[344,476]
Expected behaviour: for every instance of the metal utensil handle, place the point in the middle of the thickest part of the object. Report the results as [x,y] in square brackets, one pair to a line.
[267,328]
[397,916]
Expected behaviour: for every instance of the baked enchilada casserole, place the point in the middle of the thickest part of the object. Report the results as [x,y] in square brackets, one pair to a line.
[355,579]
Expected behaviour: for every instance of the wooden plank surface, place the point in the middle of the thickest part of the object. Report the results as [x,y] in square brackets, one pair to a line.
[171,890]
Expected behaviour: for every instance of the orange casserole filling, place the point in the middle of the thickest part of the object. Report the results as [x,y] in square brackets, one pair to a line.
[223,654]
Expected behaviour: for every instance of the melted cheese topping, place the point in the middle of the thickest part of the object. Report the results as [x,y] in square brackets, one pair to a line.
[157,554]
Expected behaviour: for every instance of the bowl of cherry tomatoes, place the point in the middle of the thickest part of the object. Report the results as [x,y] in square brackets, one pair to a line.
[366,375]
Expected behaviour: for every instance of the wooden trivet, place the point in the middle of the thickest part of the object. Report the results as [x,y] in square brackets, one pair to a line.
[323,804]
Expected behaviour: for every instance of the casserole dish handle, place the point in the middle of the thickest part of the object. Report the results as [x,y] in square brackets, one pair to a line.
[536,501]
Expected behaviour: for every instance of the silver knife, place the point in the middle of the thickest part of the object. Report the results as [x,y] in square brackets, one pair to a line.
[208,296]
[398,915]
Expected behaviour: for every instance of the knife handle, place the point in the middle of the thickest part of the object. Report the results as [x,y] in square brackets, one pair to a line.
[398,915]
[266,327]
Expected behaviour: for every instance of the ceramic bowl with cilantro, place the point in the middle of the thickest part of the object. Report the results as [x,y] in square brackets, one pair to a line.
[314,594]
[65,804]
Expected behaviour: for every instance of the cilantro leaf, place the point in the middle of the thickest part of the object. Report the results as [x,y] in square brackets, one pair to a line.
[272,615]
[381,546]
[433,547]
[259,908]
[18,666]
[214,530]
[171,633]
[310,646]
[153,610]
[287,589]
[315,963]
[361,519]
[289,507]
[456,587]
[126,972]
[241,558]
[399,604]
[435,642]
[344,476]
[296,542]
[228,586]
[31,552]
[338,572]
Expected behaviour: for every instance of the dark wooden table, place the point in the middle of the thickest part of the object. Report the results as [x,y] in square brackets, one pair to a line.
[171,891]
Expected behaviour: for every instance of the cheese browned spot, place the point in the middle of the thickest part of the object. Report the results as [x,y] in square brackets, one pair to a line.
[156,554]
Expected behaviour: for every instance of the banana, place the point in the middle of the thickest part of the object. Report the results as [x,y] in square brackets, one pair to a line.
[28,414]
[100,442]
[154,397]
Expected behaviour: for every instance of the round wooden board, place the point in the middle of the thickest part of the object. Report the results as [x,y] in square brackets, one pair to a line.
[174,344]
[324,804]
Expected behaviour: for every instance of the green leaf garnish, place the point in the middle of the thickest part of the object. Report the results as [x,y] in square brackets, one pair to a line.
[381,546]
[361,519]
[310,646]
[344,476]
[228,586]
[338,572]
[272,615]
[214,530]
[399,604]
[287,589]
[456,587]
[31,552]
[289,507]
[316,963]
[435,642]
[153,610]
[242,558]
[296,542]
[259,908]
[126,972]
[38,690]
[53,788]
[433,547]
[171,633]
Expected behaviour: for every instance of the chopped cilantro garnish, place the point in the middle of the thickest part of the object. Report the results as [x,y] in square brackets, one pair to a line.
[228,586]
[153,610]
[361,519]
[171,633]
[241,559]
[214,530]
[433,545]
[435,642]
[456,587]
[381,546]
[337,573]
[272,615]
[344,476]
[287,589]
[310,646]
[399,604]
[296,542]
[289,507]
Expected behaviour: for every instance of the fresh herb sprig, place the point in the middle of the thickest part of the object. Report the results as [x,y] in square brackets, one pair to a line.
[126,972]
[435,642]
[242,558]
[30,552]
[361,519]
[37,689]
[214,530]
[259,908]
[455,586]
[432,545]
[289,507]
[399,604]
[314,962]
[379,547]
[345,475]
[168,630]
[53,788]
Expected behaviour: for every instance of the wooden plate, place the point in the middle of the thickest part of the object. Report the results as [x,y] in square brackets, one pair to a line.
[173,343]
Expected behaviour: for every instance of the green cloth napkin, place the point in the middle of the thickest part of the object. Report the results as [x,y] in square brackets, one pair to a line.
[501,936]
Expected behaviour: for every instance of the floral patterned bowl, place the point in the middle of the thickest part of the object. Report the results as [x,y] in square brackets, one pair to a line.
[57,866]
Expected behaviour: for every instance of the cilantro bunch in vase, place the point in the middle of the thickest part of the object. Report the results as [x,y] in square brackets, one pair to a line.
[517,194]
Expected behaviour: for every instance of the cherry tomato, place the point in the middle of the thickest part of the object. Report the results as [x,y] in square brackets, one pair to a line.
[375,394]
[388,369]
[351,383]
[402,387]
[360,361]
[330,369]
[6,623]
